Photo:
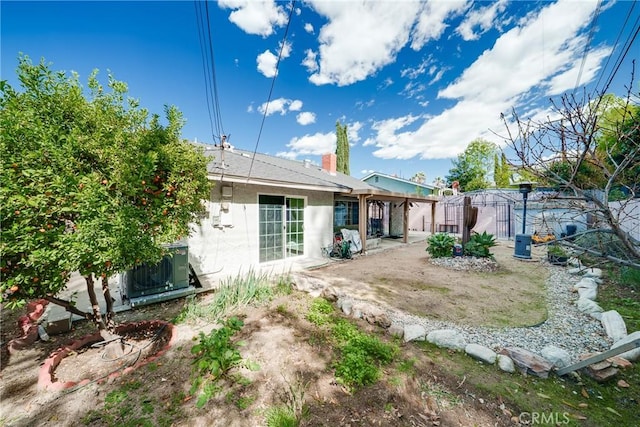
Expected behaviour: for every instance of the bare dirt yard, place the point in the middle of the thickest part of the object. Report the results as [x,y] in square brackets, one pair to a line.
[292,358]
[404,279]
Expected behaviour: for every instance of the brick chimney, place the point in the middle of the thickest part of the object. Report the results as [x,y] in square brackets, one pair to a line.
[329,163]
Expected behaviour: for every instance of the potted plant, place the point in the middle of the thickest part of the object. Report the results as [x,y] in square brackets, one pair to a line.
[557,255]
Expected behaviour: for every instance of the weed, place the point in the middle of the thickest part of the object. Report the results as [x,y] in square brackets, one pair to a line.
[407,366]
[215,355]
[320,312]
[281,416]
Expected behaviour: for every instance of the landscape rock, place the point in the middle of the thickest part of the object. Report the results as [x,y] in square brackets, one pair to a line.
[375,316]
[346,305]
[587,283]
[528,362]
[588,293]
[614,325]
[414,332]
[601,375]
[330,294]
[631,355]
[593,272]
[559,357]
[396,330]
[505,363]
[482,353]
[447,338]
[313,286]
[588,306]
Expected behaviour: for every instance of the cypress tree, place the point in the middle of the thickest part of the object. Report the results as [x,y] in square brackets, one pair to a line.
[342,149]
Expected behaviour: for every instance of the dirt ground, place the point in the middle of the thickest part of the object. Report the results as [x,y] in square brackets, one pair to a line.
[294,358]
[404,279]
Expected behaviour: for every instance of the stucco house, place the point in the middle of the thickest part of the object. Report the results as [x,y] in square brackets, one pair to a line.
[268,213]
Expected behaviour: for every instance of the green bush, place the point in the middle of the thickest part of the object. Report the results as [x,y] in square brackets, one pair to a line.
[440,245]
[479,244]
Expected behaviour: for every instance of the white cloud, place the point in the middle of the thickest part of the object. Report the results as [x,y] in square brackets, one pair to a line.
[316,144]
[309,28]
[309,61]
[352,132]
[431,21]
[255,17]
[280,105]
[543,54]
[295,105]
[360,38]
[267,63]
[306,118]
[484,18]
[420,69]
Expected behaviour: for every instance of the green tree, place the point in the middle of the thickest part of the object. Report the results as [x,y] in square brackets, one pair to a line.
[89,184]
[472,167]
[502,171]
[342,149]
[419,177]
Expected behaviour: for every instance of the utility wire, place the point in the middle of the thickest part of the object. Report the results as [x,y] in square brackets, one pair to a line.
[273,82]
[208,66]
[588,44]
[625,49]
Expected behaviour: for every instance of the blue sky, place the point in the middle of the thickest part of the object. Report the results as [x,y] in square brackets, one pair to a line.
[415,82]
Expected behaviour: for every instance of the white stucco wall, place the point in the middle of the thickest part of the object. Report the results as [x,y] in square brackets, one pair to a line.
[232,247]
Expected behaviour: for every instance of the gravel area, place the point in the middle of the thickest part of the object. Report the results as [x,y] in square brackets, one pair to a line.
[566,327]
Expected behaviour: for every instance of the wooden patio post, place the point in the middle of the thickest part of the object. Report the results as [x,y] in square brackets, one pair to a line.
[405,220]
[363,213]
[433,218]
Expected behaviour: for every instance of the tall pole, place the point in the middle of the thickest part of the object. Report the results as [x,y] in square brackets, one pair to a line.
[524,212]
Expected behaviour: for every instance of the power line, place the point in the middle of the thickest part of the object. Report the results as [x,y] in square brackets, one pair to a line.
[622,54]
[208,66]
[273,82]
[588,44]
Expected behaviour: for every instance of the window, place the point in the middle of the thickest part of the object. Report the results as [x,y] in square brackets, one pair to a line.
[345,213]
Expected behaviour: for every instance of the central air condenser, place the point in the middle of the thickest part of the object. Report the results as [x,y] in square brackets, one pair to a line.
[171,273]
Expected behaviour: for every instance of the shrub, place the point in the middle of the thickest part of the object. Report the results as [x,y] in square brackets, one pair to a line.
[440,245]
[479,244]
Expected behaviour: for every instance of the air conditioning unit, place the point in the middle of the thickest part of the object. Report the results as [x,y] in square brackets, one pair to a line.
[171,273]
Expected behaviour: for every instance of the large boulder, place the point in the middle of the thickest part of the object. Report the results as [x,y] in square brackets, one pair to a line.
[447,338]
[528,362]
[556,355]
[631,355]
[414,332]
[614,325]
[505,363]
[482,353]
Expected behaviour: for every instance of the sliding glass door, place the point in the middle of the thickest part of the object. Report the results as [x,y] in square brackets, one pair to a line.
[281,227]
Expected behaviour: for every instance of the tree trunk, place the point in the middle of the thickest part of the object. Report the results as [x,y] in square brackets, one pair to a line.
[95,306]
[106,292]
[114,347]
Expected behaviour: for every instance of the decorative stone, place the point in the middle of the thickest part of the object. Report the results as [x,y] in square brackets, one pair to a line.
[556,355]
[346,305]
[614,325]
[330,294]
[376,316]
[482,353]
[414,332]
[528,362]
[619,362]
[586,283]
[631,355]
[447,338]
[593,272]
[602,375]
[505,363]
[396,330]
[311,285]
[588,306]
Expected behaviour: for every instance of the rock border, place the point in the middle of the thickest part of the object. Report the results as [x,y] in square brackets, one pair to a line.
[510,357]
